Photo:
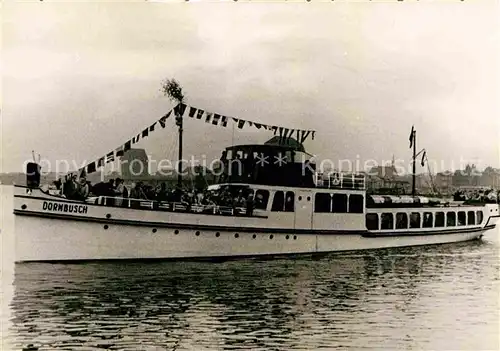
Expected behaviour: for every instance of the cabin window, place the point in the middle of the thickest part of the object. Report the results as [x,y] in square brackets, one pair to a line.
[322,203]
[372,221]
[339,203]
[387,221]
[451,219]
[401,220]
[479,216]
[356,203]
[427,222]
[461,218]
[439,219]
[278,202]
[290,201]
[415,220]
[261,199]
[471,218]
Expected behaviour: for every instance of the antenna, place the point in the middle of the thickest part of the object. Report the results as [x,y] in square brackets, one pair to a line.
[33,155]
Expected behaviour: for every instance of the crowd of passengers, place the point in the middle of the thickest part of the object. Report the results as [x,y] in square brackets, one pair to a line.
[74,188]
[477,195]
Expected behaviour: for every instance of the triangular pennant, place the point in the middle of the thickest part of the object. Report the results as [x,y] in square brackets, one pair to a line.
[91,168]
[152,127]
[179,109]
[208,118]
[83,172]
[164,118]
[250,123]
[110,157]
[235,120]
[224,121]
[313,135]
[304,135]
[215,120]
[135,139]
[119,151]
[192,111]
[100,162]
[257,125]
[200,113]
[412,136]
[241,123]
[126,146]
[145,132]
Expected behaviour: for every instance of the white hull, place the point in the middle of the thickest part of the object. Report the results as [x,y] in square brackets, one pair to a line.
[89,232]
[53,240]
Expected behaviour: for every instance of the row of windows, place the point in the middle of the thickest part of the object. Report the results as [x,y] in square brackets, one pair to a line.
[338,203]
[323,202]
[282,201]
[428,220]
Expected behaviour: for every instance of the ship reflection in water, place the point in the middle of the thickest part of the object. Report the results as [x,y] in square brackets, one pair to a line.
[428,298]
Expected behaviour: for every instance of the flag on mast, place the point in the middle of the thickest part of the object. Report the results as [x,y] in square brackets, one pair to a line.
[412,136]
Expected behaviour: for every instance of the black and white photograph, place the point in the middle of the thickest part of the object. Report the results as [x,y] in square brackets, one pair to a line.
[250,175]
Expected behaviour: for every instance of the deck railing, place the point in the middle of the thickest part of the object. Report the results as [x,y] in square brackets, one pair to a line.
[165,205]
[340,180]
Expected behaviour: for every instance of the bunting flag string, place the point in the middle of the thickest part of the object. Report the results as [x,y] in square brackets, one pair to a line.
[195,113]
[119,151]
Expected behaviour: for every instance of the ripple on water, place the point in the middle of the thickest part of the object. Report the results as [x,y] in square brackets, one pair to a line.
[443,297]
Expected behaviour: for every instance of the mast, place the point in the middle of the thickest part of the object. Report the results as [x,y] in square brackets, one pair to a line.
[414,138]
[178,121]
[173,90]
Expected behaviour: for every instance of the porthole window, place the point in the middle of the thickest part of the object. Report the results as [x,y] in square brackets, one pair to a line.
[295,237]
[254,236]
[271,236]
[197,233]
[308,198]
[300,198]
[176,231]
[154,230]
[106,226]
[217,234]
[108,215]
[236,235]
[23,207]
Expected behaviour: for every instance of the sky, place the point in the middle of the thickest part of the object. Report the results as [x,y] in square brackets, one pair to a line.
[80,79]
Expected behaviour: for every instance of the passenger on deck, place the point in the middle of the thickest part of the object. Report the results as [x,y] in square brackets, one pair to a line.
[162,194]
[70,187]
[137,192]
[83,189]
[119,191]
[250,204]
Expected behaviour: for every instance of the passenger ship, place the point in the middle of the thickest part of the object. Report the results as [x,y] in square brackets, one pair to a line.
[295,211]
